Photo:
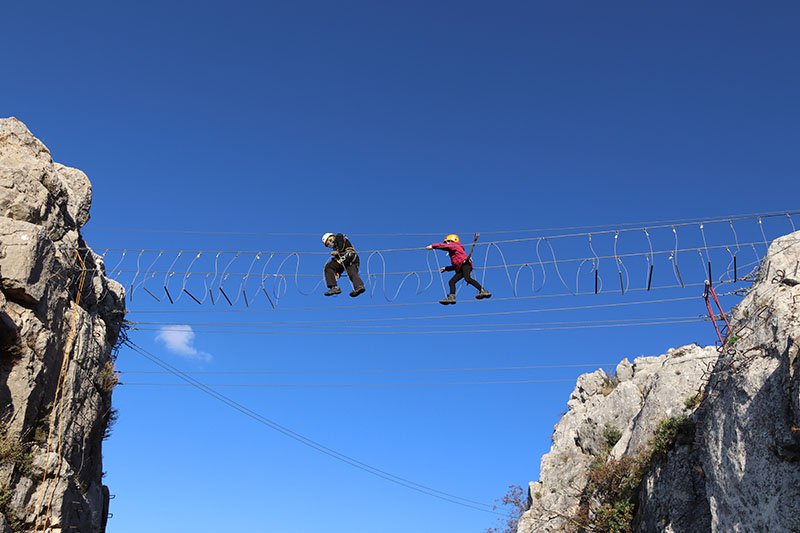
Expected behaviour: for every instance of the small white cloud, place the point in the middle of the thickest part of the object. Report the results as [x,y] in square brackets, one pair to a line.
[180,340]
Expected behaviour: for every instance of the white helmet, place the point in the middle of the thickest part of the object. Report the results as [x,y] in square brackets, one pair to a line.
[326,237]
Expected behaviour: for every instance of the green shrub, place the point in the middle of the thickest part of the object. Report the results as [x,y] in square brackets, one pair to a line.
[667,432]
[609,500]
[615,518]
[14,522]
[15,451]
[693,401]
[608,503]
[611,434]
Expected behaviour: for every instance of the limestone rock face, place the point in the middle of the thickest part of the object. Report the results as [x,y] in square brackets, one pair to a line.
[56,362]
[647,391]
[741,472]
[746,474]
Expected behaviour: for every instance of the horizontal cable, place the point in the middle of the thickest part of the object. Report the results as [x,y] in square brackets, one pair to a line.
[465,315]
[661,223]
[352,385]
[209,253]
[390,371]
[428,332]
[315,323]
[397,273]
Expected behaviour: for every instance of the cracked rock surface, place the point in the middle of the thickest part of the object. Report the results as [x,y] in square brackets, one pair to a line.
[741,472]
[44,335]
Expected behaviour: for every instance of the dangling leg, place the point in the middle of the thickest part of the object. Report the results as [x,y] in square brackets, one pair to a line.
[355,279]
[466,269]
[332,270]
[451,298]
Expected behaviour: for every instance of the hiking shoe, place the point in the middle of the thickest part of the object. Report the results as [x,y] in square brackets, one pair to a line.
[451,299]
[483,294]
[333,290]
[358,290]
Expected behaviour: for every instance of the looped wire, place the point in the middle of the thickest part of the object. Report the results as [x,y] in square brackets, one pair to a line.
[761,227]
[264,275]
[505,265]
[147,272]
[620,266]
[755,253]
[170,273]
[240,290]
[370,277]
[121,259]
[728,267]
[702,263]
[541,264]
[186,276]
[282,284]
[673,257]
[133,281]
[533,277]
[209,288]
[224,276]
[595,265]
[705,244]
[650,258]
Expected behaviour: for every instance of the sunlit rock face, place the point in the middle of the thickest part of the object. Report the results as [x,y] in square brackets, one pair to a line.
[736,468]
[60,318]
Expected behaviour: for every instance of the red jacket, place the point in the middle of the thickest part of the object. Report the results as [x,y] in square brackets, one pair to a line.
[456,251]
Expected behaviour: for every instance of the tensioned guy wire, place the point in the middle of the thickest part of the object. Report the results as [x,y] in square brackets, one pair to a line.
[311,443]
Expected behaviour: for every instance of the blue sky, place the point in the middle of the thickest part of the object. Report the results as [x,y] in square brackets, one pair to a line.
[249,120]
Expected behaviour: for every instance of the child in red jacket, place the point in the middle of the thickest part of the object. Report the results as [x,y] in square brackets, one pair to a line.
[461,264]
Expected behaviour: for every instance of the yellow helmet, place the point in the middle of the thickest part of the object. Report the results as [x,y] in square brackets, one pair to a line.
[452,238]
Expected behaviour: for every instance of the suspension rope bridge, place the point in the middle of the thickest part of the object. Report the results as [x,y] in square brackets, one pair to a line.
[242,277]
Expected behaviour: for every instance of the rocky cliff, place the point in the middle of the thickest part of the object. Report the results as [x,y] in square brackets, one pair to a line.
[698,439]
[60,319]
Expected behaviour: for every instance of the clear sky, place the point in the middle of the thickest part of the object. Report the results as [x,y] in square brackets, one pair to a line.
[379,119]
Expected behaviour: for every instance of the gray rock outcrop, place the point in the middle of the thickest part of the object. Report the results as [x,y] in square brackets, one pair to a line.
[60,319]
[739,469]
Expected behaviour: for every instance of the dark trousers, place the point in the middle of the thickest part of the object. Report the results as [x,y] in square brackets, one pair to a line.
[333,267]
[465,273]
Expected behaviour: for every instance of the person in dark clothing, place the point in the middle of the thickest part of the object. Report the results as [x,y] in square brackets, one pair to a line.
[461,264]
[344,258]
